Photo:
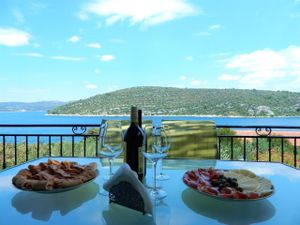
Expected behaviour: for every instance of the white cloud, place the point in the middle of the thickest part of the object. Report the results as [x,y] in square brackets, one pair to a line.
[259,68]
[229,77]
[67,58]
[189,58]
[12,37]
[30,54]
[106,58]
[91,86]
[74,39]
[94,45]
[257,61]
[215,27]
[148,12]
[183,78]
[19,16]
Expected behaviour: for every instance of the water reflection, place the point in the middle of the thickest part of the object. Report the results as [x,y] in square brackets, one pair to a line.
[42,205]
[229,212]
[115,215]
[162,213]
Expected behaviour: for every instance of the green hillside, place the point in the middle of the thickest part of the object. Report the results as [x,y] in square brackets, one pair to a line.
[183,101]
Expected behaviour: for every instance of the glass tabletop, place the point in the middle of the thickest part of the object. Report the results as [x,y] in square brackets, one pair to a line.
[86,205]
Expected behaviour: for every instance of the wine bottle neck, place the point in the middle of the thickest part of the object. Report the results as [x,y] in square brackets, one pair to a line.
[140,117]
[134,115]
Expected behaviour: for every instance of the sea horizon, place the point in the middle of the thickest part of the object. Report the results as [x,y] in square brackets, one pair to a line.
[37,117]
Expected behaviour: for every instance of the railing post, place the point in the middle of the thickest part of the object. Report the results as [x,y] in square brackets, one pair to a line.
[84,146]
[282,151]
[270,152]
[256,148]
[4,153]
[16,152]
[244,149]
[231,147]
[219,149]
[38,146]
[295,152]
[26,147]
[50,153]
[61,146]
[73,147]
[97,139]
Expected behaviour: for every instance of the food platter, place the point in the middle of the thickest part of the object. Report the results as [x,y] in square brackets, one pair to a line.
[54,176]
[233,185]
[58,190]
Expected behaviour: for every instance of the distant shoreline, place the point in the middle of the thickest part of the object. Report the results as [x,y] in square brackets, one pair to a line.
[127,115]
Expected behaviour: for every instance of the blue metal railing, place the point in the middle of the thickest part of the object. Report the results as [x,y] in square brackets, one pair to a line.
[82,140]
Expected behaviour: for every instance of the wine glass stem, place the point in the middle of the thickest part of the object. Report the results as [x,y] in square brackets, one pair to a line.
[110,167]
[154,176]
[161,167]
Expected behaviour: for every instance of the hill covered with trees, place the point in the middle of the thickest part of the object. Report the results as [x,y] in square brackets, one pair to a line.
[185,101]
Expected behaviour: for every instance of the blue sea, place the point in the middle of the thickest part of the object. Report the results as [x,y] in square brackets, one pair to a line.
[43,118]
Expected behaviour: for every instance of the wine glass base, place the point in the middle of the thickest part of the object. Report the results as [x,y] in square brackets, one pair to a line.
[158,194]
[162,177]
[107,177]
[151,186]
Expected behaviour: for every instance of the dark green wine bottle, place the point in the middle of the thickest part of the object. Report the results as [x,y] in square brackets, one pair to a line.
[134,140]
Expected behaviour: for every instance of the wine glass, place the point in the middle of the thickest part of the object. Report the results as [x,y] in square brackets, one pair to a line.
[161,145]
[110,142]
[153,156]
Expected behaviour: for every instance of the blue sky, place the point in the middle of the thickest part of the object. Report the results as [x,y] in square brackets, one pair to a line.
[69,50]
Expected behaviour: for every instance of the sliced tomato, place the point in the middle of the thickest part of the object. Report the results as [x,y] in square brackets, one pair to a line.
[215,176]
[203,182]
[192,175]
[210,190]
[204,173]
[239,195]
[253,195]
[191,183]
